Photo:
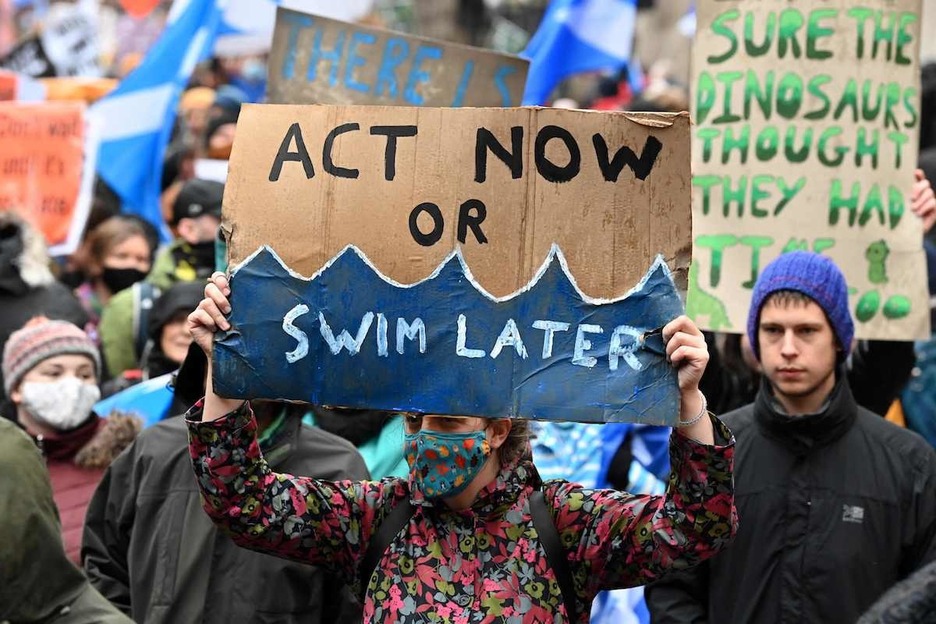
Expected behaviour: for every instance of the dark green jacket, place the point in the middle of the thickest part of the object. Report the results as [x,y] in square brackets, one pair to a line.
[173,264]
[37,581]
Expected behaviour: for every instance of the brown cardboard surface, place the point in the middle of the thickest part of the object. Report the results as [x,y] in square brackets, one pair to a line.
[353,64]
[609,231]
[827,73]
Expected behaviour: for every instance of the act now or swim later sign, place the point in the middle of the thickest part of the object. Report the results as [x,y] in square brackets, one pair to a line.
[807,121]
[496,262]
[315,60]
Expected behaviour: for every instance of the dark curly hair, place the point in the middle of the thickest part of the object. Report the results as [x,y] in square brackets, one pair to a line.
[517,443]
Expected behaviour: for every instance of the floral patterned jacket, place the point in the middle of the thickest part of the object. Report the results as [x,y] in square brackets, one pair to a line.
[479,565]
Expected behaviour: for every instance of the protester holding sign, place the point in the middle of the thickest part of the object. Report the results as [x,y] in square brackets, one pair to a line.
[838,504]
[470,546]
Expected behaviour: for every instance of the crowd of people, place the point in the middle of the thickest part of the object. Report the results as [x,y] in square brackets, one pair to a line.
[798,486]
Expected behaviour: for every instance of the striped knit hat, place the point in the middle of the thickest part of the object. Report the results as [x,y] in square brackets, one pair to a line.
[38,340]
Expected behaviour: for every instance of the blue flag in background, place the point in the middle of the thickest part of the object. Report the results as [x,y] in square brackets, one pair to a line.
[136,119]
[577,36]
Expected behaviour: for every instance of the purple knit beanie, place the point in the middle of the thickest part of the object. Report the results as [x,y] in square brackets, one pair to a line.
[815,276]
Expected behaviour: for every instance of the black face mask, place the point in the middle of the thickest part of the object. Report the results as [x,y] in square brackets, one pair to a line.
[204,255]
[158,364]
[120,279]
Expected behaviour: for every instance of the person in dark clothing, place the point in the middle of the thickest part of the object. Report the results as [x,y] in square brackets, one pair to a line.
[911,601]
[877,371]
[27,286]
[151,551]
[835,503]
[168,339]
[189,258]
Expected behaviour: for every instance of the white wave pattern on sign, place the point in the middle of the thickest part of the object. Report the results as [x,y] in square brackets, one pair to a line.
[555,254]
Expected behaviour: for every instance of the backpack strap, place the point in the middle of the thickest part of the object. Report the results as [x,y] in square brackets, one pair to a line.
[144,296]
[380,541]
[555,553]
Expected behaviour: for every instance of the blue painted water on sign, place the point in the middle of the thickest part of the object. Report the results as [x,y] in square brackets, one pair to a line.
[349,336]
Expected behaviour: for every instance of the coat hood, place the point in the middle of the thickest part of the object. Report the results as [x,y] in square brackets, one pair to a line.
[24,259]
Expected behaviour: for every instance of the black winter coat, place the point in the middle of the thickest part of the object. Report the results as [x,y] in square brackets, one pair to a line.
[834,509]
[27,287]
[152,551]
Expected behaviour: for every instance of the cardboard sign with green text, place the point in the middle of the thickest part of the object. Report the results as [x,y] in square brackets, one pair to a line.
[807,120]
[515,262]
[315,60]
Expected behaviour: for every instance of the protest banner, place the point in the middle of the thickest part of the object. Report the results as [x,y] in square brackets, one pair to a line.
[9,85]
[29,57]
[492,262]
[315,60]
[807,118]
[66,46]
[70,39]
[47,169]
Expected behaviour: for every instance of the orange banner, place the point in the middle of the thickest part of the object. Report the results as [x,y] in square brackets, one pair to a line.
[41,160]
[8,84]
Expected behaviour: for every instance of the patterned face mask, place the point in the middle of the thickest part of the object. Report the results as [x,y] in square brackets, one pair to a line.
[443,464]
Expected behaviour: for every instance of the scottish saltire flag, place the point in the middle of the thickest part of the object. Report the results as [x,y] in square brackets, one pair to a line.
[137,117]
[577,36]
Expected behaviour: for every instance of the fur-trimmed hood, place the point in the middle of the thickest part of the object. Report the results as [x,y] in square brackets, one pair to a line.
[117,432]
[24,258]
[95,444]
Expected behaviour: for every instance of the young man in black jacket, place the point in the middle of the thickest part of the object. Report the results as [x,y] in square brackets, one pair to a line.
[835,503]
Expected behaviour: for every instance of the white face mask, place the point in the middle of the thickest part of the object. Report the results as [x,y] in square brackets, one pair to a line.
[62,404]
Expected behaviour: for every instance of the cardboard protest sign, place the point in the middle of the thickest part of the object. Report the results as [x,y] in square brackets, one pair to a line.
[315,60]
[67,45]
[29,57]
[807,123]
[46,169]
[69,39]
[494,262]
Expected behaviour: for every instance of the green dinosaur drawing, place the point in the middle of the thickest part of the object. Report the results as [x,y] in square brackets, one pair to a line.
[702,304]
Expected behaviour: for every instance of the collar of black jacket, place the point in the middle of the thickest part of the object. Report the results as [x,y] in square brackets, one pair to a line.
[802,434]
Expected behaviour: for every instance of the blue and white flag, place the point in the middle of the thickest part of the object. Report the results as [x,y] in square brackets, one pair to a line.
[137,117]
[577,36]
